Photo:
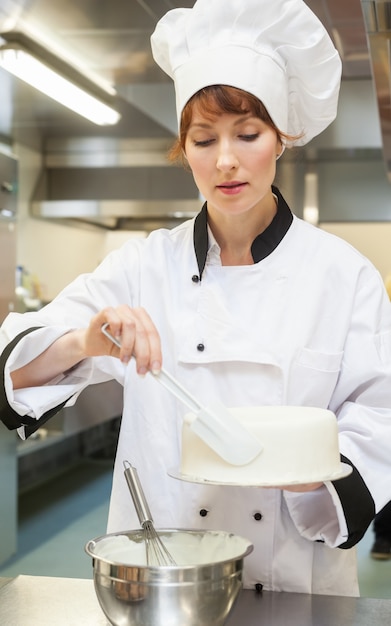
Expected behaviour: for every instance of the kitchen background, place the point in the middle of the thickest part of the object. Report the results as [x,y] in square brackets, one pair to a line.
[72,190]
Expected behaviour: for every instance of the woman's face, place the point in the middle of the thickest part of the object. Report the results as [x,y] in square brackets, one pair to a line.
[233,160]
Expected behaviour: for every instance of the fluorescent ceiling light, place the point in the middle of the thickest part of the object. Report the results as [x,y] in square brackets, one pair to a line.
[42,77]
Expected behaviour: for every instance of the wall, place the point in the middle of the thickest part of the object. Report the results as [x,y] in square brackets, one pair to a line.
[371,239]
[54,253]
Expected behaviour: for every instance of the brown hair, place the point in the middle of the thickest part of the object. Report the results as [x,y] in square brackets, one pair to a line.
[213,101]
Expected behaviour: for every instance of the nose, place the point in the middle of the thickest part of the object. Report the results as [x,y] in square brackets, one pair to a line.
[226,158]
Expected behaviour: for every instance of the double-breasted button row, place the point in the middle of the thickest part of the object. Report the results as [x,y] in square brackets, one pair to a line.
[257,516]
[196,279]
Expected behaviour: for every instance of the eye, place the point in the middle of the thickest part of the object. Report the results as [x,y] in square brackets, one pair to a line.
[203,143]
[251,137]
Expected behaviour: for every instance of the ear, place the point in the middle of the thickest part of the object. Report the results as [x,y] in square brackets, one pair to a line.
[185,162]
[280,149]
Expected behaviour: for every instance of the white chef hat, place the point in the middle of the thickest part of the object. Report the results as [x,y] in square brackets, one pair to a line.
[277,50]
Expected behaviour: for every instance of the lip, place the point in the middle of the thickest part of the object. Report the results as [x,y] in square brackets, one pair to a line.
[232,187]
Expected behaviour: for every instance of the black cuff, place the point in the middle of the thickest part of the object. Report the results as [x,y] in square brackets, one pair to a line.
[10,418]
[357,504]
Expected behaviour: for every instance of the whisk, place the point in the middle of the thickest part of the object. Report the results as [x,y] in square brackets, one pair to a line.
[156,552]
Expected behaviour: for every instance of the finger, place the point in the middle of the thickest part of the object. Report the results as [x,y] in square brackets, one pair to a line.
[97,343]
[138,337]
[154,342]
[147,346]
[107,329]
[126,331]
[133,330]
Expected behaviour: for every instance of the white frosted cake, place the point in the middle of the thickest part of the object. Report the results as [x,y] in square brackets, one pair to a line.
[300,445]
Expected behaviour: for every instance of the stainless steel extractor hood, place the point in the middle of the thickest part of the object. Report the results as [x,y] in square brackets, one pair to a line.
[114,184]
[377,17]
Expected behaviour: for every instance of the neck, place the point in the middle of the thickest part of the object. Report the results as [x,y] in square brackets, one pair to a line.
[235,234]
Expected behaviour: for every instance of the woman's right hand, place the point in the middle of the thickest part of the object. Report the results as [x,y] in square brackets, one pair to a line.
[135,331]
[132,327]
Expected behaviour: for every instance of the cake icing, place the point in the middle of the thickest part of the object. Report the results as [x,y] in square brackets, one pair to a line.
[300,445]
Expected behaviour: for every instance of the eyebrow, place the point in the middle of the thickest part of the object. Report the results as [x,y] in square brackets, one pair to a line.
[237,122]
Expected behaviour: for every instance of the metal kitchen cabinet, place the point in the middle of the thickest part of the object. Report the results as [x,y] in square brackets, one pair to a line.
[8,458]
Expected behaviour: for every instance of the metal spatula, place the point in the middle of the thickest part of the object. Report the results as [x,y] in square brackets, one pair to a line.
[215,425]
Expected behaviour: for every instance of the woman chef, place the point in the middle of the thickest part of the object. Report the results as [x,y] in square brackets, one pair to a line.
[246,302]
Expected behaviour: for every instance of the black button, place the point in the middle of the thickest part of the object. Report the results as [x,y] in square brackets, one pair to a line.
[257,517]
[203,512]
[258,587]
[200,347]
[195,278]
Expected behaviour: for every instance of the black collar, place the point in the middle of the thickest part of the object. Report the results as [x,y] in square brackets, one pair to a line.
[263,244]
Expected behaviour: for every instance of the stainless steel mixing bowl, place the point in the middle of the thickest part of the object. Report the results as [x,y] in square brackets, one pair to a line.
[181,595]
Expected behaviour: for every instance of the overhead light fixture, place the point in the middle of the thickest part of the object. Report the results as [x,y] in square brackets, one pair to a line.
[58,80]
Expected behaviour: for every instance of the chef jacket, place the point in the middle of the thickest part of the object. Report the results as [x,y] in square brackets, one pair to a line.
[308,324]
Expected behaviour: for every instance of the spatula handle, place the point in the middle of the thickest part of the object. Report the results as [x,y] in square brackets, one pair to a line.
[163,377]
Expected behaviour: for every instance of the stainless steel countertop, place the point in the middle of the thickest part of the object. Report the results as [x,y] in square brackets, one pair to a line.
[271,608]
[44,601]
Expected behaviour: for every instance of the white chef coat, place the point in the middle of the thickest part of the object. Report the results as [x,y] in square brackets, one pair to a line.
[308,325]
